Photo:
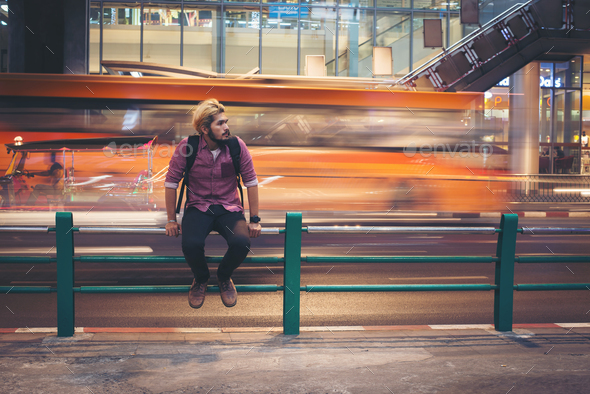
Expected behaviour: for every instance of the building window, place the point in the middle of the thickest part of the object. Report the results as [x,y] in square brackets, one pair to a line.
[121,36]
[274,35]
[94,39]
[201,48]
[161,34]
[318,37]
[393,30]
[242,38]
[279,39]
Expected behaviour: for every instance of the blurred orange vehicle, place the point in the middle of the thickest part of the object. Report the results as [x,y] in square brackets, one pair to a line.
[329,145]
[351,159]
[78,173]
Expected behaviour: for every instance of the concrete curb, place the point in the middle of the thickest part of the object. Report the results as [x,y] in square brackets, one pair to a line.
[525,214]
[193,330]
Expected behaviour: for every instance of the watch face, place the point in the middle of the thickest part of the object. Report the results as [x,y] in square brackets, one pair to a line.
[254,219]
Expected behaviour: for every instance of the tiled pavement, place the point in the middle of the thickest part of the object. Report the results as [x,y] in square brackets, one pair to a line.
[402,360]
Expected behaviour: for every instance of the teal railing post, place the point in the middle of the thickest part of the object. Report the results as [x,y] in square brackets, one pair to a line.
[292,274]
[504,293]
[64,235]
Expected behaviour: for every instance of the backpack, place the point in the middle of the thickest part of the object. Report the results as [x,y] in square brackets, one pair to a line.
[235,150]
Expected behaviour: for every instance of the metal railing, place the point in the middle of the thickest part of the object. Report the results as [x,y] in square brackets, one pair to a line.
[545,188]
[503,285]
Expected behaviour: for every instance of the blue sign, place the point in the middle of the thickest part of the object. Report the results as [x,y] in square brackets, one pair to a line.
[281,11]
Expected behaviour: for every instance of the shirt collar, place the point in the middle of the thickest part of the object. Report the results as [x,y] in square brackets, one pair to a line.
[203,144]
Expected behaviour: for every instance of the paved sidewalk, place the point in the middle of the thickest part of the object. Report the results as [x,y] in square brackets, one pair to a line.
[406,359]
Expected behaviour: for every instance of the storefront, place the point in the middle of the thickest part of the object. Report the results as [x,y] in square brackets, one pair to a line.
[563,147]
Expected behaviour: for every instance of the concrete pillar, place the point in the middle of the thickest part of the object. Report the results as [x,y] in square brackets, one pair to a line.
[46,36]
[16,36]
[353,42]
[329,42]
[217,31]
[523,137]
[76,18]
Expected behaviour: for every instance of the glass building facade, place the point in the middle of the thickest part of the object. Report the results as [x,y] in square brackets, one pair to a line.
[562,115]
[237,36]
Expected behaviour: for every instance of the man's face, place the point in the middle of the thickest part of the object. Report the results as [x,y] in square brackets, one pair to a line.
[219,131]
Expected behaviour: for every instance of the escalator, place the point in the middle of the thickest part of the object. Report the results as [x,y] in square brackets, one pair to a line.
[548,30]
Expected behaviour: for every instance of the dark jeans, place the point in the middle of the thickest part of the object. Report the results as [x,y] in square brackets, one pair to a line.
[197,225]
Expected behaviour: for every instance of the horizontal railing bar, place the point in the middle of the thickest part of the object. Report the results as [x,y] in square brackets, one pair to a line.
[23,229]
[168,259]
[397,229]
[552,286]
[554,230]
[172,289]
[26,289]
[150,230]
[552,259]
[400,259]
[27,259]
[364,288]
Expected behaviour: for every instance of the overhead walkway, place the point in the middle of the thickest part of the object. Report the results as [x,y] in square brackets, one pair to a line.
[547,30]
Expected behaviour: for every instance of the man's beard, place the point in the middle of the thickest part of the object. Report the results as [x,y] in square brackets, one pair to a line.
[217,141]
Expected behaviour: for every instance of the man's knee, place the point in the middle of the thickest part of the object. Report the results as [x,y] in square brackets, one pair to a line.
[240,242]
[192,245]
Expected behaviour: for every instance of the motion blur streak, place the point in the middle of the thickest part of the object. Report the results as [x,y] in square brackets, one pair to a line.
[335,146]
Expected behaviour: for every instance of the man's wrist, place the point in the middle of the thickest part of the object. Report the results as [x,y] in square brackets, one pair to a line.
[254,219]
[172,221]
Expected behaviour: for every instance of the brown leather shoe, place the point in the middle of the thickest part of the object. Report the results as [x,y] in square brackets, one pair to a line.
[196,295]
[229,295]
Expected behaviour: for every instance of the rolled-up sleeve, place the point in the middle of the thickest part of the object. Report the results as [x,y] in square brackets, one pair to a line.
[177,165]
[247,166]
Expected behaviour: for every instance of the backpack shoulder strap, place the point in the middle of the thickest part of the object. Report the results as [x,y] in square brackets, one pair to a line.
[193,142]
[235,150]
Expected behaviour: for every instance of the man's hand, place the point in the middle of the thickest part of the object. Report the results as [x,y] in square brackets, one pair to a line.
[254,229]
[173,229]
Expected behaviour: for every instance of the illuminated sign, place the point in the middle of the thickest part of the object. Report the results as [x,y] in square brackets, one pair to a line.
[547,82]
[281,11]
[544,82]
[504,82]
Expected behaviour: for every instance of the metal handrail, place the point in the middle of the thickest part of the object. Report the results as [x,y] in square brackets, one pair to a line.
[552,259]
[151,230]
[503,287]
[397,230]
[554,230]
[114,230]
[24,229]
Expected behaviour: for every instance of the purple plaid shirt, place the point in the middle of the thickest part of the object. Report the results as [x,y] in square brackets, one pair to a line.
[211,181]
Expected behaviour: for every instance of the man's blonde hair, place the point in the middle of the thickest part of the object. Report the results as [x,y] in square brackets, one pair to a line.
[205,114]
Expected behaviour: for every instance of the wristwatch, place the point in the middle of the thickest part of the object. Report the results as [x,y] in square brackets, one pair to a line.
[254,219]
